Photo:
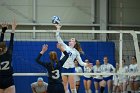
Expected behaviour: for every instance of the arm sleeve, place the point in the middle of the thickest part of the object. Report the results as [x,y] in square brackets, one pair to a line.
[63,60]
[11,44]
[40,62]
[2,34]
[112,67]
[80,60]
[59,39]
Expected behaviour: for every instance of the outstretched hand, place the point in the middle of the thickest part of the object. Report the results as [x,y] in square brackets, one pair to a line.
[44,48]
[4,27]
[58,26]
[90,65]
[59,46]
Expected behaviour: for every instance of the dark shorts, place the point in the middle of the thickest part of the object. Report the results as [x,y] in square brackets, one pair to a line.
[97,80]
[6,82]
[85,78]
[69,70]
[55,88]
[107,78]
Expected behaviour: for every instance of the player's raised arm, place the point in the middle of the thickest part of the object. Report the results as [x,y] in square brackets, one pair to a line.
[44,49]
[63,60]
[14,25]
[4,28]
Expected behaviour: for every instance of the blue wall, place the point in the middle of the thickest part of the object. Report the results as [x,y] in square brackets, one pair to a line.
[25,53]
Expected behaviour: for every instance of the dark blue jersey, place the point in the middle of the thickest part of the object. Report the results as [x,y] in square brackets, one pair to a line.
[6,58]
[54,69]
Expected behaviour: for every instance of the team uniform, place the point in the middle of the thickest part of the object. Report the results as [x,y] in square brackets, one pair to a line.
[69,66]
[54,74]
[133,68]
[97,78]
[116,79]
[107,68]
[123,78]
[39,89]
[78,70]
[87,70]
[6,69]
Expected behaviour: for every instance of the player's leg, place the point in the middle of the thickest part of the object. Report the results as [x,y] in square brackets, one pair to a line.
[77,85]
[72,83]
[10,89]
[96,85]
[132,86]
[85,84]
[1,91]
[65,83]
[89,86]
[136,86]
[102,86]
[109,85]
[125,87]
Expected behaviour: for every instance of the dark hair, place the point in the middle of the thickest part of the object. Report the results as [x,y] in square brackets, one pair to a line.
[3,46]
[77,46]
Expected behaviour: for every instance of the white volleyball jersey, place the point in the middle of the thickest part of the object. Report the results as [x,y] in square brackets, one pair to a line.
[78,70]
[87,70]
[73,54]
[116,79]
[97,70]
[133,68]
[123,78]
[107,68]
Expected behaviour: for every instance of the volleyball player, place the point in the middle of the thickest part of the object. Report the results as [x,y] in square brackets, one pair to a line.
[40,86]
[54,69]
[123,79]
[87,78]
[78,69]
[116,81]
[74,50]
[133,68]
[97,78]
[6,70]
[107,79]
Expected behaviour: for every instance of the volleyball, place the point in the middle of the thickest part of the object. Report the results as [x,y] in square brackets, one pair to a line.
[56,20]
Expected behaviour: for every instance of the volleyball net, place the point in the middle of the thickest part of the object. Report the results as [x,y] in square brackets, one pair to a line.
[118,45]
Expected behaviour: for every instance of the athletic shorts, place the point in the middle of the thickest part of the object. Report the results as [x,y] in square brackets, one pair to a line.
[6,82]
[97,80]
[55,88]
[107,78]
[85,78]
[68,70]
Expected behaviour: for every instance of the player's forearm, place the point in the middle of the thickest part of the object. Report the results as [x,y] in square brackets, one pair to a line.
[2,33]
[11,42]
[58,37]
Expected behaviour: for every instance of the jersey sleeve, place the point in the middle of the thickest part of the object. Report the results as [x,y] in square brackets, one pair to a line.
[80,60]
[59,39]
[113,69]
[2,34]
[11,44]
[63,60]
[40,62]
[80,70]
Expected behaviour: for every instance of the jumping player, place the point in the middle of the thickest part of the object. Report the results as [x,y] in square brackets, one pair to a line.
[54,69]
[6,70]
[74,50]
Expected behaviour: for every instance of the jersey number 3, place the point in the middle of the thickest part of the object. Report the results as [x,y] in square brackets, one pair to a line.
[4,65]
[56,74]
